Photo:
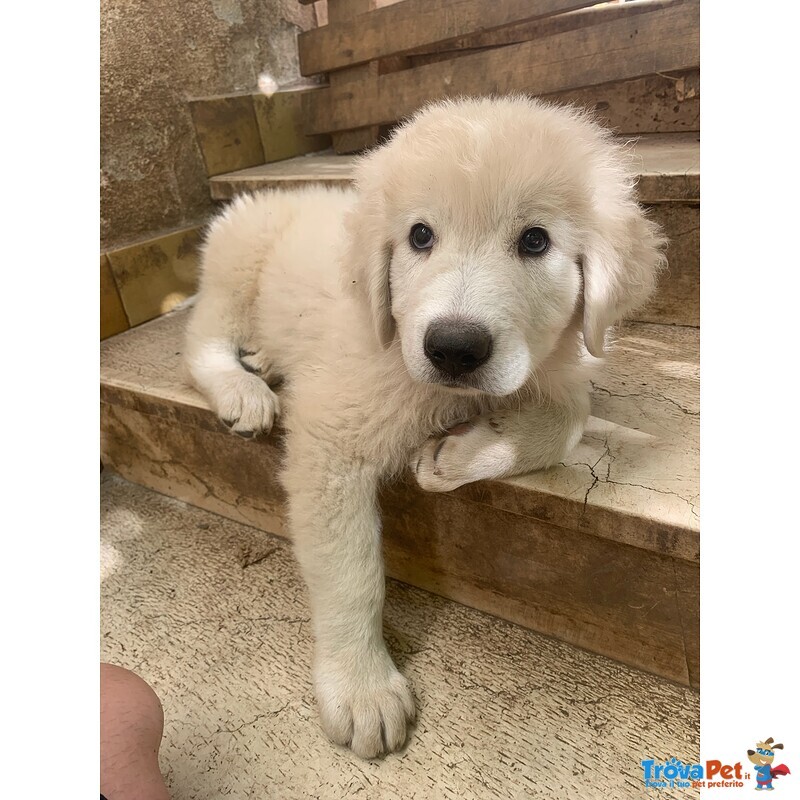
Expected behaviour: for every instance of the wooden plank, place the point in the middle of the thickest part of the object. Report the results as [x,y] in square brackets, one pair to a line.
[663,103]
[353,141]
[537,29]
[413,24]
[629,47]
[652,104]
[342,12]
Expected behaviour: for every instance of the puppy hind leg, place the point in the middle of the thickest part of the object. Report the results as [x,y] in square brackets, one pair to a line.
[259,362]
[241,399]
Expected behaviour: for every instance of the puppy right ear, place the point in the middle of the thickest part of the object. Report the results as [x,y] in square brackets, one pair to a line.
[620,264]
[369,250]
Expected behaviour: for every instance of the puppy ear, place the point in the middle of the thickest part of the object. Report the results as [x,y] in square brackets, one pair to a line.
[369,250]
[369,257]
[622,258]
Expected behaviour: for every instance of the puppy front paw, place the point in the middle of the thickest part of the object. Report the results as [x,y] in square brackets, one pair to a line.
[471,451]
[365,705]
[247,405]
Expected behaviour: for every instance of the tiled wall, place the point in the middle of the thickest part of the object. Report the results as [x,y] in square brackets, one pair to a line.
[147,279]
[243,131]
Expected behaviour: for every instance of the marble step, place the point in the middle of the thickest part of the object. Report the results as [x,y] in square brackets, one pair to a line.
[669,171]
[213,615]
[601,552]
[669,185]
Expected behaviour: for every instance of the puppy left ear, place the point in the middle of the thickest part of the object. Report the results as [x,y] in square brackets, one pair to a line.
[369,251]
[621,261]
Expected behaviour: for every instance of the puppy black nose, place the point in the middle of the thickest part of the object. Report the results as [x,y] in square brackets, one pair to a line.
[457,347]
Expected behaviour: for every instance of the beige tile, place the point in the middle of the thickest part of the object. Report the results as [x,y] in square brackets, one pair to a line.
[112,314]
[326,169]
[155,276]
[280,123]
[227,132]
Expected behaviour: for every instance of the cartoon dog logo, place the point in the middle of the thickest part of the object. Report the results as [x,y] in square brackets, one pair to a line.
[762,757]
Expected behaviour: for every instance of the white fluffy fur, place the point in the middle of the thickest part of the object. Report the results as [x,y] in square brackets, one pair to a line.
[321,287]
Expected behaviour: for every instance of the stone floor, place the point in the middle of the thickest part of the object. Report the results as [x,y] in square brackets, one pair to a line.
[214,616]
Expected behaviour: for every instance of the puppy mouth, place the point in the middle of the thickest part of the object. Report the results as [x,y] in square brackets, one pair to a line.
[471,383]
[456,383]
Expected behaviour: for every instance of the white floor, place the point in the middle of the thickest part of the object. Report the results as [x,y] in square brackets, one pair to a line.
[213,615]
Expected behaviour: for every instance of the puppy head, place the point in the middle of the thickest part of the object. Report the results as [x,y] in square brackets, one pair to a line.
[485,226]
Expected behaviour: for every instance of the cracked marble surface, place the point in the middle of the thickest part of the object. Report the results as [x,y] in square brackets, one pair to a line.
[213,615]
[640,452]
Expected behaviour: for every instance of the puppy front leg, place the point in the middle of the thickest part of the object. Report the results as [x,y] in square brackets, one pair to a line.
[502,443]
[364,701]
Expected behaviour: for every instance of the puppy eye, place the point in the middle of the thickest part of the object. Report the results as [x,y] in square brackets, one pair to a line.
[421,237]
[534,242]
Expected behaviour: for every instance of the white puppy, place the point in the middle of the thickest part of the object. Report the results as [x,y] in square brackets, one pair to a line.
[482,248]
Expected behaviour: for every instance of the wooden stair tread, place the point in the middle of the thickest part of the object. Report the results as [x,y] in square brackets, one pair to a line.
[669,170]
[633,478]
